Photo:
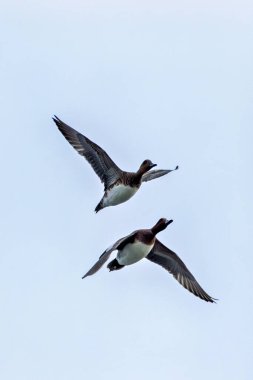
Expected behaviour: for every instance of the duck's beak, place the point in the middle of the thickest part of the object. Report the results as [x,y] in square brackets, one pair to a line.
[152,166]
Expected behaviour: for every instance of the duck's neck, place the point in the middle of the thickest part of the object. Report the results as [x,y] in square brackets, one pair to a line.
[142,170]
[158,227]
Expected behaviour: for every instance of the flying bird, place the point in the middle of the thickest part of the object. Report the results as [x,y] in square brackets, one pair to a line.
[144,244]
[119,185]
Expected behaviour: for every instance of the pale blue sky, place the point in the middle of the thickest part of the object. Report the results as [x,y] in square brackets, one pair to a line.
[158,80]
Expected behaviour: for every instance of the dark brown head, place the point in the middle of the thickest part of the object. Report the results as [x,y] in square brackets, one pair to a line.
[146,166]
[161,225]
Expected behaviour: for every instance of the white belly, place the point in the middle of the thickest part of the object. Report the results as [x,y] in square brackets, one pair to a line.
[133,252]
[119,194]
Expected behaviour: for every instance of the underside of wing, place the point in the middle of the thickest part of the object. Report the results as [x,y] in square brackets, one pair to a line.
[102,164]
[106,254]
[169,260]
[153,174]
[103,258]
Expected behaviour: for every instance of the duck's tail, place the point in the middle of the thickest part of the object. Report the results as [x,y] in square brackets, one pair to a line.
[99,206]
[114,265]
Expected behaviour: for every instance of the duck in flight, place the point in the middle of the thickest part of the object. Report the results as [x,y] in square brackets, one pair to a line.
[144,244]
[119,185]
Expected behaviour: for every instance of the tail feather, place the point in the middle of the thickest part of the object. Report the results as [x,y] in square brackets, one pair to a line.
[114,265]
[99,206]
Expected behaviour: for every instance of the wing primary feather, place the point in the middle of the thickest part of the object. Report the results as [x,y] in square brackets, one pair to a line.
[169,260]
[100,161]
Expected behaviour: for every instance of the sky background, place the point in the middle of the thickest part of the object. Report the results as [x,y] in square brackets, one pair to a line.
[167,81]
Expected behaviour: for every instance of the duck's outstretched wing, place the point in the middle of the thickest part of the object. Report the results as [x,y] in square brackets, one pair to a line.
[106,254]
[169,260]
[102,164]
[152,174]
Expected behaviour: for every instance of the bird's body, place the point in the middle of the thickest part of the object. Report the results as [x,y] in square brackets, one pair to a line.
[119,193]
[119,185]
[134,252]
[142,244]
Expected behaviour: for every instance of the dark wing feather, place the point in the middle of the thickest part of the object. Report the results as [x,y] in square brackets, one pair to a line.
[106,254]
[169,260]
[152,174]
[102,164]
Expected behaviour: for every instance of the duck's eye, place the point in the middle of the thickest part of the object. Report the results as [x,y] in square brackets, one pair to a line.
[145,162]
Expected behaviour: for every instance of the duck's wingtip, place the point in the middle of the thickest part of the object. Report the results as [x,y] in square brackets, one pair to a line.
[56,119]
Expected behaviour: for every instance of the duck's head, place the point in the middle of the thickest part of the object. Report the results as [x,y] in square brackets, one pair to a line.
[161,225]
[146,166]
